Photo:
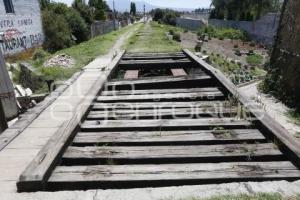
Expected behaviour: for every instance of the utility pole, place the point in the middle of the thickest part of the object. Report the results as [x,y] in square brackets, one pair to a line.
[114,15]
[144,13]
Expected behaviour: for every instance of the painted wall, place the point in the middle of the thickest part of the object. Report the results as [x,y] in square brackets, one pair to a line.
[20,30]
[263,30]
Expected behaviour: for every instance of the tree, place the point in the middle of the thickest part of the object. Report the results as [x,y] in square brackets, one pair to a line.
[77,25]
[98,9]
[44,4]
[132,9]
[166,16]
[241,9]
[56,30]
[157,14]
[84,10]
[283,75]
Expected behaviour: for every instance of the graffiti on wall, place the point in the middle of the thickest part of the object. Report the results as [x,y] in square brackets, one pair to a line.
[19,34]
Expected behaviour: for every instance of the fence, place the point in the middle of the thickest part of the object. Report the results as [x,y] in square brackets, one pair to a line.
[103,27]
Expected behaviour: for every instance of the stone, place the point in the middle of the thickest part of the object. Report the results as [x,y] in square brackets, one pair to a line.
[30,77]
[61,60]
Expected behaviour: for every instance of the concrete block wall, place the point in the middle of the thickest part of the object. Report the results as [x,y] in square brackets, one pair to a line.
[22,29]
[263,30]
[189,23]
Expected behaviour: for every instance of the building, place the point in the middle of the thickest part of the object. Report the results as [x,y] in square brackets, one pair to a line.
[20,25]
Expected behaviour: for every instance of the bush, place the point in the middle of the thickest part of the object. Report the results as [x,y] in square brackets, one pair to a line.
[221,38]
[166,16]
[255,59]
[171,32]
[176,37]
[236,46]
[198,48]
[185,30]
[39,55]
[57,31]
[251,52]
[77,25]
[228,33]
[238,52]
[252,44]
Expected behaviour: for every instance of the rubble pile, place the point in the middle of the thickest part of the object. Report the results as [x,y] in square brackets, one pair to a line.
[61,60]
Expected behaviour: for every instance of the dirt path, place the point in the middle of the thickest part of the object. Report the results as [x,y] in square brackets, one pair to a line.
[273,107]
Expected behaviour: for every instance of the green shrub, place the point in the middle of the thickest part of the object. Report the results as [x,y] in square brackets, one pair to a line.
[198,48]
[254,59]
[56,73]
[225,33]
[39,55]
[252,44]
[185,30]
[237,52]
[221,38]
[176,37]
[171,32]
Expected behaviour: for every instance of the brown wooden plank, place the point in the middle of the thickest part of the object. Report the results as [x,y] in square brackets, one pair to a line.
[162,154]
[124,176]
[163,97]
[178,72]
[155,64]
[172,137]
[266,122]
[38,171]
[203,123]
[158,91]
[154,57]
[157,54]
[159,105]
[163,83]
[131,74]
[163,113]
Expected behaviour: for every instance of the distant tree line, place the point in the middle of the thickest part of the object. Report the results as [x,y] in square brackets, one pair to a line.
[65,26]
[166,16]
[243,10]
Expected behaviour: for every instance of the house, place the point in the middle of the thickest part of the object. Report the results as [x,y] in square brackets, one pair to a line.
[20,25]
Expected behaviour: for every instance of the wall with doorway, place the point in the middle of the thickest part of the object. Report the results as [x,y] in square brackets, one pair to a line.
[20,25]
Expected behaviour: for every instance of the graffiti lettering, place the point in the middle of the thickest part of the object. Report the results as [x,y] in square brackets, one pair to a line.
[25,22]
[23,42]
[36,39]
[6,23]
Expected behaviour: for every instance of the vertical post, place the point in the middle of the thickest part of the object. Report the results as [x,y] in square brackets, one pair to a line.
[144,13]
[114,15]
[3,123]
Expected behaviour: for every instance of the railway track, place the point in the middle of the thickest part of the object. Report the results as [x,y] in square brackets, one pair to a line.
[164,119]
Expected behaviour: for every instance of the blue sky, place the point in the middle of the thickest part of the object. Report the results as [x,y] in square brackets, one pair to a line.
[168,3]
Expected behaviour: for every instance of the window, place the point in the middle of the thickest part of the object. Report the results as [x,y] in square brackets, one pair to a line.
[9,6]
